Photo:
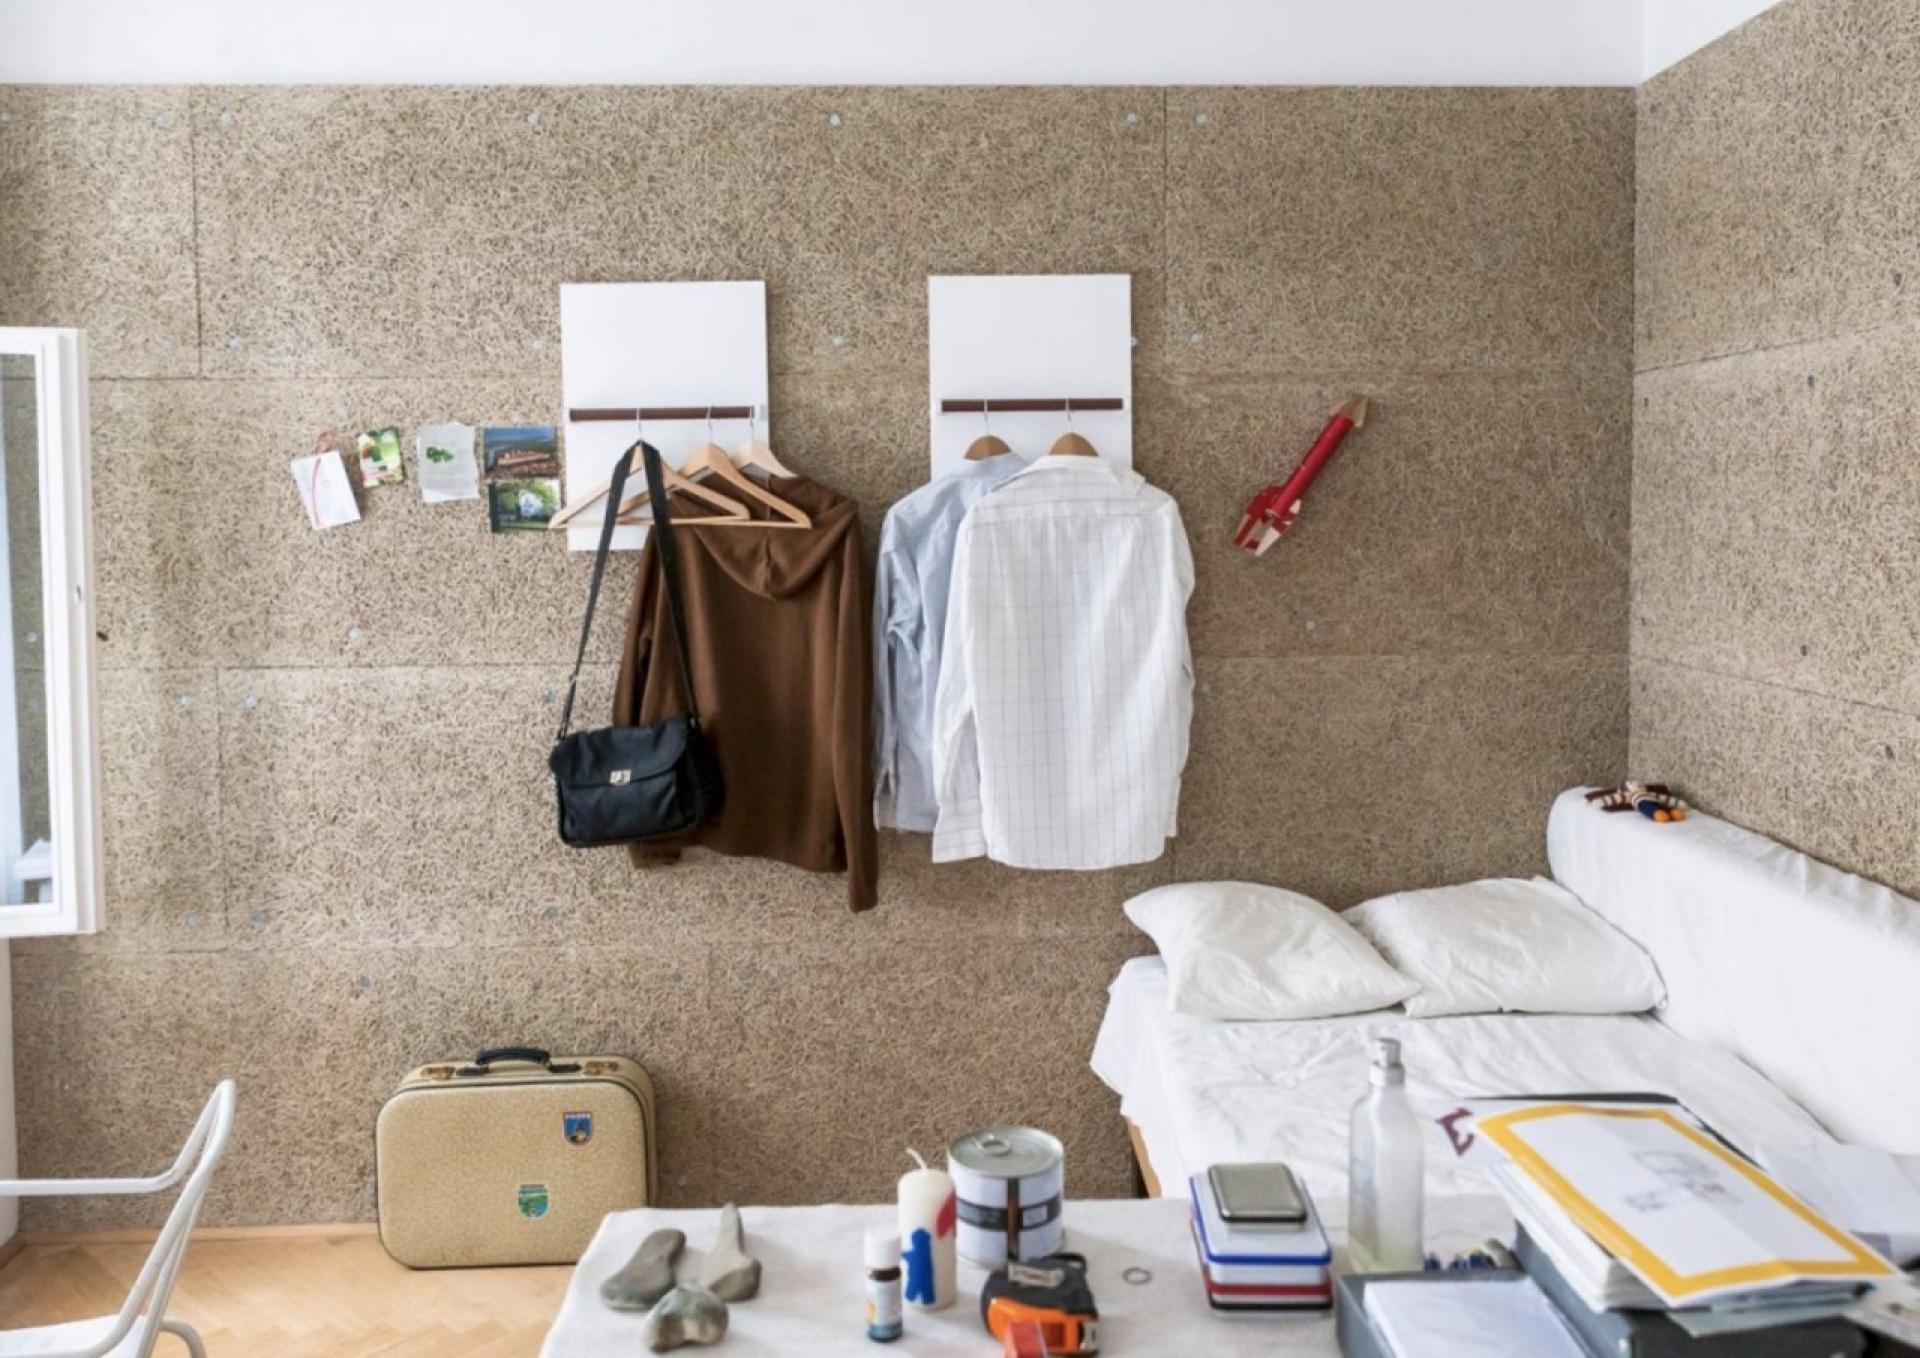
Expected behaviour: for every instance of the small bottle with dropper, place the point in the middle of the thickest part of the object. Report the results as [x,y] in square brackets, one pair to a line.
[882,1254]
[1386,1169]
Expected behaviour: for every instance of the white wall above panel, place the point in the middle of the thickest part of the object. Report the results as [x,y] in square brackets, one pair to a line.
[828,42]
[1675,29]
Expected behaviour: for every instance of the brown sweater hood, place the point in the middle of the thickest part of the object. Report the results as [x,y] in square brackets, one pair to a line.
[777,627]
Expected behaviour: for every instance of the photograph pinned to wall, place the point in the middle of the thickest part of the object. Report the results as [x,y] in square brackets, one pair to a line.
[520,451]
[444,456]
[321,478]
[381,461]
[523,506]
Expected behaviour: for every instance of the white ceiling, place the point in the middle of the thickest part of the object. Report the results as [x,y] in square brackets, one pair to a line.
[1285,42]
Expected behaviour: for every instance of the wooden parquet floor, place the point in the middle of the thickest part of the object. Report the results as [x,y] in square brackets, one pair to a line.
[333,1295]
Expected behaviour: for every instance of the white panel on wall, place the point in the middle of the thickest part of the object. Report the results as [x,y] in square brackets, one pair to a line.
[655,344]
[1024,336]
[846,42]
[1673,30]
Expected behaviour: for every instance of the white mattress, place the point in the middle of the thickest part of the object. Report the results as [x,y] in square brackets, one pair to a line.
[1204,1091]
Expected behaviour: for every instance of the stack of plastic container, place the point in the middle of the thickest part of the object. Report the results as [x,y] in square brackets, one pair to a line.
[1260,1267]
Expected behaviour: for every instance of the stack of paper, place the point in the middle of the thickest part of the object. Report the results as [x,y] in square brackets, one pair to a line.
[1422,1319]
[1873,1193]
[1602,1281]
[1638,1207]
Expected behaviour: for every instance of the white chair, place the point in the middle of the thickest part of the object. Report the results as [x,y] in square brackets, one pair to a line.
[143,1319]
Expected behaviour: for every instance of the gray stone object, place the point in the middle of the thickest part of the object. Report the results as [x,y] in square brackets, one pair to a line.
[646,1277]
[730,1273]
[686,1315]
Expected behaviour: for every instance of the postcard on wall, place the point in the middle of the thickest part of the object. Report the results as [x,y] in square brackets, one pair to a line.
[523,506]
[444,456]
[321,479]
[381,462]
[519,451]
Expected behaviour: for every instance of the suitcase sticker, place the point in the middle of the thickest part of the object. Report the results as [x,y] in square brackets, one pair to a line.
[577,1127]
[534,1201]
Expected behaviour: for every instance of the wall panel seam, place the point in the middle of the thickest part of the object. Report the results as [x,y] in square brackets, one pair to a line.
[1640,657]
[1893,329]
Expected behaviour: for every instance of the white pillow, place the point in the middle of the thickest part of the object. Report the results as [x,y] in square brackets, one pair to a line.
[1236,950]
[1512,945]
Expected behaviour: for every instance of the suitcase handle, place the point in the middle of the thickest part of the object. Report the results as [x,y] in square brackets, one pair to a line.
[533,1056]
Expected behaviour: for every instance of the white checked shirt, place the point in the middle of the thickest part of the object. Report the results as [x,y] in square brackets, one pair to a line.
[1060,721]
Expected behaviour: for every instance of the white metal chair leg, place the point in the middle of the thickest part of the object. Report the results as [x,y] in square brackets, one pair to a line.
[187,1335]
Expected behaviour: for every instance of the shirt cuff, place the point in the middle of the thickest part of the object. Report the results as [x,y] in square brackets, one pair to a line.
[959,833]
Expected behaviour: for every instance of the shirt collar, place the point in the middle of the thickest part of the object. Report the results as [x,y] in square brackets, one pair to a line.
[1082,466]
[990,468]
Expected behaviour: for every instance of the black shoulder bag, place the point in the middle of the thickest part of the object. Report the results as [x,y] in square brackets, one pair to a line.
[632,784]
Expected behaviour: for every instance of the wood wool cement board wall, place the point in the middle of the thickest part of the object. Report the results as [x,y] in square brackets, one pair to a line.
[329,824]
[1776,577]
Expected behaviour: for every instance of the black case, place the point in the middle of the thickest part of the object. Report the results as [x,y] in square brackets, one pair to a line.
[1650,1334]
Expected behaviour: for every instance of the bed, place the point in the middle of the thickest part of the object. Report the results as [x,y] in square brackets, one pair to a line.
[1793,1007]
[1200,1091]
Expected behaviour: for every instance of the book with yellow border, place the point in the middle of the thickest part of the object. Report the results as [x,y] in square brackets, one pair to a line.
[1690,1218]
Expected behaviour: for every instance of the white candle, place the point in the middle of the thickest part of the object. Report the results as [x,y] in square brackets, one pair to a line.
[927,1207]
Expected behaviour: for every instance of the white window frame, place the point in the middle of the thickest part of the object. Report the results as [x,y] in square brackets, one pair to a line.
[66,568]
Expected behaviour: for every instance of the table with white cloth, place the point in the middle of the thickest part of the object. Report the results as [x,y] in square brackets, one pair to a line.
[812,1292]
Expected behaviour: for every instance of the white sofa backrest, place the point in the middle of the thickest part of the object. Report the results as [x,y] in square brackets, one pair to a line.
[1809,973]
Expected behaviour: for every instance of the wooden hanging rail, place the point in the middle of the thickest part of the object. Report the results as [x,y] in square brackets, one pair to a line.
[627,414]
[995,405]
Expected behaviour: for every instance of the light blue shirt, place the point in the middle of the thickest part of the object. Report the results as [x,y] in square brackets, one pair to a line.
[909,623]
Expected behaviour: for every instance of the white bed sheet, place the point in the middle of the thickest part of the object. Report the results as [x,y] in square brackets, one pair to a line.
[1204,1091]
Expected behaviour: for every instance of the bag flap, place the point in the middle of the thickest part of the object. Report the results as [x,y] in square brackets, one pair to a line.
[614,755]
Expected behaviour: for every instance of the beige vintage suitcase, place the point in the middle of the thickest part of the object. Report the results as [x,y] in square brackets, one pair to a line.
[512,1159]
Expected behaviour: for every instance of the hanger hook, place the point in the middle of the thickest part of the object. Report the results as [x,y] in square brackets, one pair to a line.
[1069,405]
[709,424]
[986,416]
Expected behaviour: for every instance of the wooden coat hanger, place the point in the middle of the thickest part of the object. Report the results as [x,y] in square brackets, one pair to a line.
[731,510]
[1071,444]
[989,444]
[753,452]
[711,458]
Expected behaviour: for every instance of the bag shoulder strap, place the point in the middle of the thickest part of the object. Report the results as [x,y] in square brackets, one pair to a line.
[669,566]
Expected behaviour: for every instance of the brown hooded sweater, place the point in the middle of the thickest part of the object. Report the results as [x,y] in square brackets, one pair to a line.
[778,631]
